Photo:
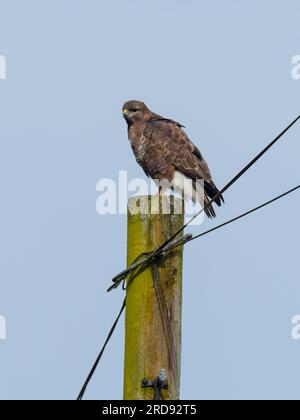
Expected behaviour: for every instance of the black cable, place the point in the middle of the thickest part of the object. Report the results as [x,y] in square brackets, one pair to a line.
[143,260]
[239,217]
[134,274]
[83,389]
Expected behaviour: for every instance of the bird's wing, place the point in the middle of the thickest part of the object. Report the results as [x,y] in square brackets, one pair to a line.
[167,139]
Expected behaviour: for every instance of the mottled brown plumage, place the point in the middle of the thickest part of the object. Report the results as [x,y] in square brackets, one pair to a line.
[162,149]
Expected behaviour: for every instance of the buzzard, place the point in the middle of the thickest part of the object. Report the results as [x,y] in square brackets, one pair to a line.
[165,152]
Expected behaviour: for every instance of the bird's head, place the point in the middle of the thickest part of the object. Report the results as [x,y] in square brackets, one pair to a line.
[134,111]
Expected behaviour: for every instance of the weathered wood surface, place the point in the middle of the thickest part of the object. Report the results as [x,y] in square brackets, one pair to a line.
[153,308]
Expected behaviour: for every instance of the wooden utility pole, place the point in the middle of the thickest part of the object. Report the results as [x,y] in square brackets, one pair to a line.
[153,301]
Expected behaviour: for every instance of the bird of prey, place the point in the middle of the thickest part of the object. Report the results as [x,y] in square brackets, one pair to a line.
[165,152]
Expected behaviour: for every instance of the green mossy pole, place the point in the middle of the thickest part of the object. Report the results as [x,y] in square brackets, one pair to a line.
[154,302]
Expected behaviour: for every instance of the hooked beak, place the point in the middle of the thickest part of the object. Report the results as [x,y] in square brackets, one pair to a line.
[125,112]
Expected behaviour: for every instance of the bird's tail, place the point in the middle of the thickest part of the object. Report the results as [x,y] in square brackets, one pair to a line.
[210,211]
[210,191]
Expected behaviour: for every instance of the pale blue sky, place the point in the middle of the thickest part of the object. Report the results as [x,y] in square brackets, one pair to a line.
[223,69]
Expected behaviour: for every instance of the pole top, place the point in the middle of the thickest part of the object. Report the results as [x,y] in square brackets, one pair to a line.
[147,205]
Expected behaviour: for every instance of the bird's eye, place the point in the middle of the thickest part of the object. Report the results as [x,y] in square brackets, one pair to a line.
[134,110]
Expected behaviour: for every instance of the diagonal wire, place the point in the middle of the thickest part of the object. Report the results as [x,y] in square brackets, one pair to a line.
[241,216]
[134,274]
[90,375]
